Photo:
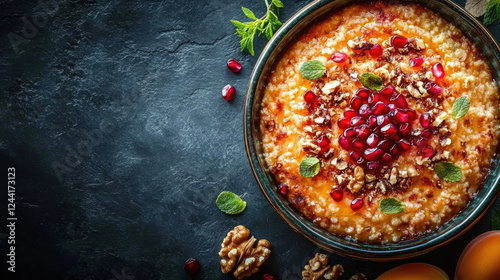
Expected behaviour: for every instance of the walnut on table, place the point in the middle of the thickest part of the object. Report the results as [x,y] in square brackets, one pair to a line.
[318,269]
[238,251]
[358,276]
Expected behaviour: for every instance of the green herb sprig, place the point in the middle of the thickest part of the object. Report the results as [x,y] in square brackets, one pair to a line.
[267,25]
[492,12]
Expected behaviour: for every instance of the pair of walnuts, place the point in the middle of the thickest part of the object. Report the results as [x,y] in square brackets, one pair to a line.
[318,269]
[238,251]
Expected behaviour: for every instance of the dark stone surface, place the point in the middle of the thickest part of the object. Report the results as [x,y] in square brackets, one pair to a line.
[111,113]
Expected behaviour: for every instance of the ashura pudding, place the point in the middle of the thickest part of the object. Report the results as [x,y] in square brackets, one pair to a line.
[380,123]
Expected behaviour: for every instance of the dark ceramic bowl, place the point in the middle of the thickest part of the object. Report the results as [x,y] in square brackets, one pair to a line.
[289,32]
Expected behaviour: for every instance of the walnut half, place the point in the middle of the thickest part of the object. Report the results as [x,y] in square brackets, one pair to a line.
[318,269]
[237,250]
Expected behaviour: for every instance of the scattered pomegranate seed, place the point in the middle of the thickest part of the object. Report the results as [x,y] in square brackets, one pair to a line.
[376,51]
[270,276]
[426,134]
[324,143]
[357,204]
[191,265]
[425,120]
[228,92]
[398,41]
[433,88]
[438,70]
[309,97]
[416,61]
[283,188]
[337,194]
[339,57]
[233,65]
[428,151]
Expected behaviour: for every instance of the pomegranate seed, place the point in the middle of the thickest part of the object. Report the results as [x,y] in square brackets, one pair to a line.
[344,143]
[358,144]
[355,121]
[388,131]
[438,70]
[365,110]
[412,115]
[386,145]
[372,121]
[388,90]
[382,120]
[373,165]
[379,108]
[350,113]
[191,265]
[309,97]
[283,188]
[270,276]
[405,129]
[373,153]
[323,141]
[363,131]
[363,93]
[376,51]
[337,194]
[350,133]
[394,151]
[433,88]
[391,107]
[399,101]
[386,158]
[339,57]
[372,140]
[233,65]
[404,144]
[398,41]
[400,116]
[426,134]
[357,204]
[228,92]
[355,157]
[344,123]
[428,151]
[416,61]
[356,102]
[425,120]
[374,98]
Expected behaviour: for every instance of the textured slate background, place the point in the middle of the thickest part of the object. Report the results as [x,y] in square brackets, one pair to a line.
[123,99]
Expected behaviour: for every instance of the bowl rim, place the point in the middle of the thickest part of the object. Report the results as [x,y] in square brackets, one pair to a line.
[366,251]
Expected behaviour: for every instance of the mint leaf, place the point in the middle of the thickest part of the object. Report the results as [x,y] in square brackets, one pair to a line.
[248,13]
[448,171]
[371,81]
[460,107]
[492,12]
[278,3]
[230,203]
[391,206]
[495,219]
[309,167]
[312,69]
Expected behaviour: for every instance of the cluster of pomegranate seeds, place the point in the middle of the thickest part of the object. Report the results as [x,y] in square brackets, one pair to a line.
[339,57]
[228,92]
[283,189]
[357,204]
[438,70]
[376,127]
[191,265]
[270,276]
[398,41]
[233,65]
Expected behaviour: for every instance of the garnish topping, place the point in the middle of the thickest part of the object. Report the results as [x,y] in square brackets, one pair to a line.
[448,171]
[309,167]
[391,206]
[230,203]
[267,25]
[312,69]
[460,107]
[371,81]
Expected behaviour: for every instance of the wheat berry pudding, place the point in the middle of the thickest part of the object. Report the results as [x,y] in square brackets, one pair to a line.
[380,123]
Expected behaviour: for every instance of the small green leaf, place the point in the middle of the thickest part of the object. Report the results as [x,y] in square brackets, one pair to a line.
[492,12]
[495,219]
[312,69]
[230,203]
[371,81]
[238,24]
[269,31]
[448,171]
[460,107]
[250,44]
[277,3]
[248,13]
[309,167]
[391,206]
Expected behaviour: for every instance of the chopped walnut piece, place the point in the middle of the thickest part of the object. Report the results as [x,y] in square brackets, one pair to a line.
[330,87]
[358,182]
[340,164]
[394,176]
[237,250]
[381,186]
[318,269]
[370,178]
[413,91]
[359,276]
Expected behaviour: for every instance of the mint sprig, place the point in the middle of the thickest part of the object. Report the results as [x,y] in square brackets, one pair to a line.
[448,171]
[460,107]
[391,206]
[309,167]
[492,12]
[371,81]
[230,203]
[267,25]
[312,69]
